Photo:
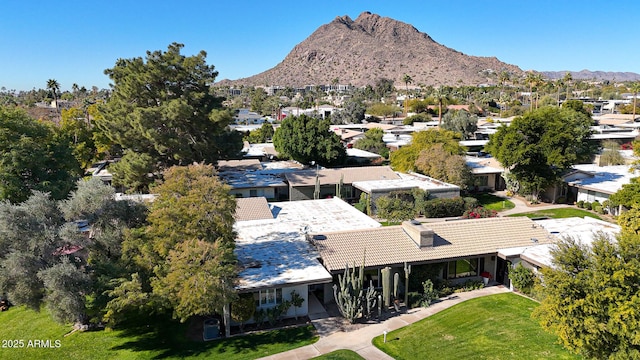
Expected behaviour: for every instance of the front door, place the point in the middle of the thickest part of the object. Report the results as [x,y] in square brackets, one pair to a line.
[501,271]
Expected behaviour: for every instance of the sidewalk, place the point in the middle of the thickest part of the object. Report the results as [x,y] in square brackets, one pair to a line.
[523,207]
[360,340]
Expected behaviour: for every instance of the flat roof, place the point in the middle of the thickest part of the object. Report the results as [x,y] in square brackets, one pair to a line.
[406,181]
[606,179]
[484,165]
[584,230]
[348,174]
[391,245]
[275,252]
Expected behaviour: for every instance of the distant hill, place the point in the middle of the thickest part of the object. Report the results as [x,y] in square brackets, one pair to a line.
[372,47]
[594,75]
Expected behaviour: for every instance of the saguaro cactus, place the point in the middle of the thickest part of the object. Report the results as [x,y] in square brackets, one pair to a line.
[386,286]
[407,271]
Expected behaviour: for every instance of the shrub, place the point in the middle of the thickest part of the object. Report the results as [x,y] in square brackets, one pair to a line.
[478,213]
[580,204]
[587,205]
[429,293]
[415,299]
[471,203]
[598,209]
[561,200]
[439,208]
[522,278]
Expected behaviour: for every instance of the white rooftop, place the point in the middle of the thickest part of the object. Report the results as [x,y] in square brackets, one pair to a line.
[362,154]
[484,165]
[275,252]
[582,229]
[606,179]
[406,181]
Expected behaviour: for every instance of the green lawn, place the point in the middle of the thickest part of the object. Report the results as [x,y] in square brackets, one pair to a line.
[340,355]
[491,327]
[162,339]
[493,202]
[559,213]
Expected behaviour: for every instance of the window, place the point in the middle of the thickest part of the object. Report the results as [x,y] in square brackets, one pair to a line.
[269,297]
[482,180]
[463,268]
[253,193]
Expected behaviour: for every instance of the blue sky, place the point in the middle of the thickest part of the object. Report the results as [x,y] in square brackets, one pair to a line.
[75,41]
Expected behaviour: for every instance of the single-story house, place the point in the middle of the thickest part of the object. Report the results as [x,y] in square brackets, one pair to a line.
[247,178]
[463,248]
[487,173]
[273,251]
[302,184]
[590,182]
[374,189]
[584,230]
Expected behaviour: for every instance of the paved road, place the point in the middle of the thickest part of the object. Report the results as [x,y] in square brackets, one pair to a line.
[360,340]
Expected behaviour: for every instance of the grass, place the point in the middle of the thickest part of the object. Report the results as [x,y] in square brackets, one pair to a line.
[160,339]
[491,327]
[493,202]
[340,355]
[559,213]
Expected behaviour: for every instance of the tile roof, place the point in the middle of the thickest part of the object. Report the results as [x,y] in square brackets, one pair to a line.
[453,239]
[332,176]
[254,208]
[239,165]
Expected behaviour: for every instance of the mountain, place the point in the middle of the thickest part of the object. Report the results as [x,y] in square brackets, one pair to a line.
[593,75]
[372,47]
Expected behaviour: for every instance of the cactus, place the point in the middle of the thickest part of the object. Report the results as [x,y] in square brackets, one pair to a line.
[396,284]
[349,297]
[407,271]
[369,300]
[386,286]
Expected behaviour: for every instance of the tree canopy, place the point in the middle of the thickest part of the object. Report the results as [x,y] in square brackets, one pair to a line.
[539,146]
[183,259]
[32,157]
[591,297]
[162,113]
[306,139]
[404,159]
[462,122]
[372,141]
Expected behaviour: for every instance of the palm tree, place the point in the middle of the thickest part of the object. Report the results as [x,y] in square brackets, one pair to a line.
[407,80]
[54,86]
[439,95]
[635,88]
[530,79]
[567,80]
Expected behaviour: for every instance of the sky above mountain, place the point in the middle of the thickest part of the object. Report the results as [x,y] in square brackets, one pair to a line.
[75,41]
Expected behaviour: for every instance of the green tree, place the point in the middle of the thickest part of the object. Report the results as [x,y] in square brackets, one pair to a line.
[404,159]
[628,195]
[184,257]
[591,297]
[307,139]
[76,130]
[635,89]
[439,164]
[162,110]
[54,86]
[33,158]
[610,154]
[352,113]
[372,141]
[461,122]
[540,145]
[383,110]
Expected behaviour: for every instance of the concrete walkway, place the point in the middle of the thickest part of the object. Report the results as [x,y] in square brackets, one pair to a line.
[360,340]
[523,207]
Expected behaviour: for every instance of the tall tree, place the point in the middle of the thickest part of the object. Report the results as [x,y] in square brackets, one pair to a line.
[407,80]
[54,86]
[32,157]
[567,79]
[540,145]
[306,139]
[635,89]
[162,108]
[184,257]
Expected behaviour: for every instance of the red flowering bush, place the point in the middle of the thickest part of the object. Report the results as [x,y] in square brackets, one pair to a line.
[479,213]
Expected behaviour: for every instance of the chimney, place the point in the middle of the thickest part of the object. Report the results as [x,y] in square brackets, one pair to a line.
[420,234]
